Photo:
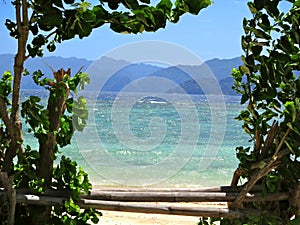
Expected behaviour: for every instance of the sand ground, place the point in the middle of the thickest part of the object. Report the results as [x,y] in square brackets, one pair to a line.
[128,218]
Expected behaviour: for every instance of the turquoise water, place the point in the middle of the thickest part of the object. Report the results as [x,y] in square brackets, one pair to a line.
[165,141]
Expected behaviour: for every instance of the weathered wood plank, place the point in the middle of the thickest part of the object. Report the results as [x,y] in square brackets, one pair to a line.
[39,200]
[96,190]
[163,209]
[138,208]
[227,189]
[162,196]
[166,196]
[182,196]
[114,205]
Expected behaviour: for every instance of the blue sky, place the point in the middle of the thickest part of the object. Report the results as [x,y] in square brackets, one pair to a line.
[214,33]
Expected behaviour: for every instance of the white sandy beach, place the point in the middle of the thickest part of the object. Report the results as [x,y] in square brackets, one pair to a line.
[128,218]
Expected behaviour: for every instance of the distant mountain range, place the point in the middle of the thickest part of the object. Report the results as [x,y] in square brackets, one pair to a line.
[112,75]
[6,63]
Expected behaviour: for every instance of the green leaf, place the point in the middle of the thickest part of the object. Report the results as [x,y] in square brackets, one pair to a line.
[49,21]
[12,27]
[39,40]
[88,16]
[290,109]
[293,127]
[51,46]
[285,43]
[165,5]
[84,29]
[6,85]
[159,18]
[101,16]
[256,49]
[252,7]
[244,98]
[295,57]
[259,4]
[261,34]
[34,29]
[194,6]
[33,51]
[280,56]
[71,206]
[120,28]
[289,146]
[113,4]
[131,4]
[244,69]
[264,22]
[297,104]
[272,7]
[271,186]
[95,219]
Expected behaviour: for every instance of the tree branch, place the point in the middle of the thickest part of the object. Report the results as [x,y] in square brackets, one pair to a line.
[282,141]
[269,140]
[49,35]
[236,176]
[271,163]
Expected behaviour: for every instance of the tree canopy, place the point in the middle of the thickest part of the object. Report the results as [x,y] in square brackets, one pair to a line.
[54,21]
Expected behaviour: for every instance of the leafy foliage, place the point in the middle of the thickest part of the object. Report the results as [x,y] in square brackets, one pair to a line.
[5,91]
[66,19]
[68,177]
[269,84]
[6,86]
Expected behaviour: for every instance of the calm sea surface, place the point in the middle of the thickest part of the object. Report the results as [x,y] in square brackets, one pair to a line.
[157,140]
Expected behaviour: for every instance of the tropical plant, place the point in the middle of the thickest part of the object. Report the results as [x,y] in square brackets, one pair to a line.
[39,24]
[269,84]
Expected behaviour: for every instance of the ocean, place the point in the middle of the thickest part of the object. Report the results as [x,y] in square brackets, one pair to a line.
[157,140]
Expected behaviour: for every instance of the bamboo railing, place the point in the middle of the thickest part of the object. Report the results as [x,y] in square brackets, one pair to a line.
[138,200]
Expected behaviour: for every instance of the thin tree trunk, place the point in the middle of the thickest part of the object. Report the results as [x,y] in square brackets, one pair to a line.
[46,158]
[56,107]
[16,134]
[11,193]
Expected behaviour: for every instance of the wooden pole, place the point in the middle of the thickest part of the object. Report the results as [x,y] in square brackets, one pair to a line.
[182,196]
[256,188]
[110,202]
[162,196]
[95,191]
[164,209]
[138,208]
[165,196]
